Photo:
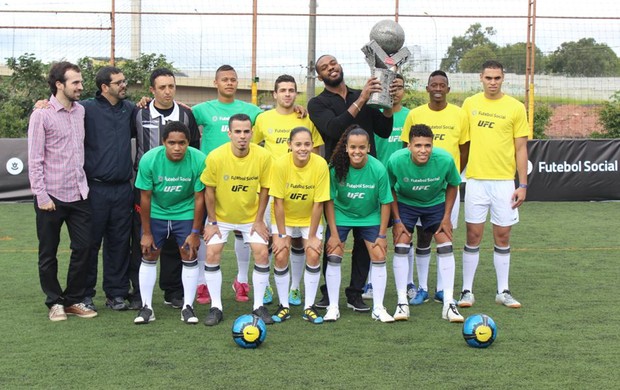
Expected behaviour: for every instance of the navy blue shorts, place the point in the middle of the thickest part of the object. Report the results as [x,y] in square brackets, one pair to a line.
[163,229]
[368,233]
[429,216]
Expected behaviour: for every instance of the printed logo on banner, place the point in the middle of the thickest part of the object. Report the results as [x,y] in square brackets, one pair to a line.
[14,166]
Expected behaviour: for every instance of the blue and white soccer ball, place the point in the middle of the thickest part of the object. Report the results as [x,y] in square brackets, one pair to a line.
[479,330]
[249,331]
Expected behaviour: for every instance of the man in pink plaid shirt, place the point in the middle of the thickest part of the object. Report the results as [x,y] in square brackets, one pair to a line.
[58,182]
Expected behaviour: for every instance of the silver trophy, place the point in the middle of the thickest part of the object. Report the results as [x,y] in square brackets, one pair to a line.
[384,53]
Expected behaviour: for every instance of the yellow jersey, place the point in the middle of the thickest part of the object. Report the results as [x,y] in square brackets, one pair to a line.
[274,128]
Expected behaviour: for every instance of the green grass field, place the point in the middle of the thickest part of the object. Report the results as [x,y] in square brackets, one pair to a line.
[565,271]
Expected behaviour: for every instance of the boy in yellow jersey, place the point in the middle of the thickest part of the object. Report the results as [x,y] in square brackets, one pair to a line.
[450,126]
[273,127]
[498,132]
[237,187]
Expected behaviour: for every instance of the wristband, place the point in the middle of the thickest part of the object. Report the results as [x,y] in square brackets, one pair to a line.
[381,236]
[212,223]
[282,235]
[522,185]
[395,221]
[356,106]
[195,231]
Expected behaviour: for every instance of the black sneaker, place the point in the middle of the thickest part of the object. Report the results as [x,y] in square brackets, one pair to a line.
[188,316]
[88,302]
[214,317]
[323,303]
[135,302]
[145,315]
[116,303]
[264,315]
[176,303]
[357,304]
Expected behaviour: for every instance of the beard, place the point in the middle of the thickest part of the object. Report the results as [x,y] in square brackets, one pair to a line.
[335,82]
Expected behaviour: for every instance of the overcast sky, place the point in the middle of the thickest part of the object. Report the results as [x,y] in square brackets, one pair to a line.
[203,40]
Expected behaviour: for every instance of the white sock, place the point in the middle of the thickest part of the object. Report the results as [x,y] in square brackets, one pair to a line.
[202,258]
[242,251]
[189,277]
[298,262]
[379,281]
[213,277]
[471,256]
[333,279]
[282,277]
[401,266]
[147,275]
[446,267]
[369,278]
[423,255]
[439,285]
[312,276]
[260,281]
[410,259]
[501,260]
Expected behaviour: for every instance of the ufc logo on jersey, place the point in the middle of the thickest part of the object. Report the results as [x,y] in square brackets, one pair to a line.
[488,124]
[356,195]
[281,140]
[440,137]
[172,188]
[239,188]
[295,196]
[420,188]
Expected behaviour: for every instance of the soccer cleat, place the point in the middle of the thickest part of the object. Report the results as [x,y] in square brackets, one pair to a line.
[135,303]
[323,303]
[357,304]
[88,302]
[282,314]
[80,310]
[241,291]
[294,297]
[332,315]
[506,299]
[57,313]
[214,317]
[268,297]
[402,312]
[202,294]
[175,303]
[420,297]
[116,303]
[264,315]
[438,296]
[452,314]
[411,291]
[367,294]
[467,299]
[380,314]
[312,316]
[145,315]
[188,316]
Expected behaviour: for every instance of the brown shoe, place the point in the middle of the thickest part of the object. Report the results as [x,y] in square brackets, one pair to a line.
[57,313]
[80,310]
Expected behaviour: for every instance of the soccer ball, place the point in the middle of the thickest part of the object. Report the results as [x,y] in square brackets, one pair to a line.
[249,331]
[479,330]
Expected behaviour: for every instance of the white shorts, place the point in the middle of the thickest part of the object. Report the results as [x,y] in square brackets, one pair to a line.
[480,195]
[226,228]
[299,231]
[454,217]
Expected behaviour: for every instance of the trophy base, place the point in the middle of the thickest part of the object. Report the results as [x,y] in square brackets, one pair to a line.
[383,99]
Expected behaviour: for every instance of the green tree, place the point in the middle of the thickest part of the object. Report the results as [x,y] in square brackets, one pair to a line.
[19,91]
[473,59]
[584,58]
[138,72]
[609,117]
[513,57]
[474,36]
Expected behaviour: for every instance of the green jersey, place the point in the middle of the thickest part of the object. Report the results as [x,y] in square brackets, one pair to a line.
[213,116]
[386,146]
[173,183]
[358,200]
[422,185]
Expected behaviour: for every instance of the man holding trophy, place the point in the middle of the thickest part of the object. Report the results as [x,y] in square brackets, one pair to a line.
[338,107]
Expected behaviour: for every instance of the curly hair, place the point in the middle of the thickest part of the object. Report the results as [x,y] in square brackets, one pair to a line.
[340,157]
